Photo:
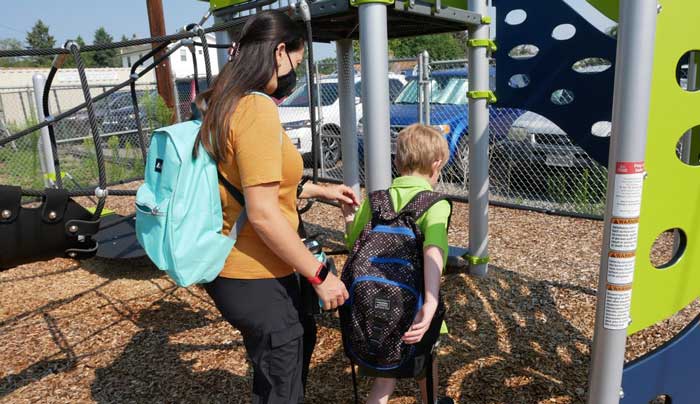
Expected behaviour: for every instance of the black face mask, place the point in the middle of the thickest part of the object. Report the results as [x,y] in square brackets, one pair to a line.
[285,83]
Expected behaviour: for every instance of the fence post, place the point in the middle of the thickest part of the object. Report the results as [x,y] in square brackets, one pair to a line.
[427,88]
[176,96]
[635,57]
[421,94]
[375,95]
[478,147]
[319,119]
[348,118]
[44,143]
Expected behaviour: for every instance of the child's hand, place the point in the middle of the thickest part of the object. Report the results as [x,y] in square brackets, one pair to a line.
[420,324]
[348,211]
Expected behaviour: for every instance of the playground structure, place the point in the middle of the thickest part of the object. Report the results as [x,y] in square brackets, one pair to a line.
[638,209]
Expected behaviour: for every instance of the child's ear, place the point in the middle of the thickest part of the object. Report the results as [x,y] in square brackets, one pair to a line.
[437,166]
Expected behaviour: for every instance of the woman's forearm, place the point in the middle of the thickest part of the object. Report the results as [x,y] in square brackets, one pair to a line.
[276,232]
[311,190]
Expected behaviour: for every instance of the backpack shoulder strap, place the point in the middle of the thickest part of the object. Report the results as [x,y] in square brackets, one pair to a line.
[382,208]
[423,201]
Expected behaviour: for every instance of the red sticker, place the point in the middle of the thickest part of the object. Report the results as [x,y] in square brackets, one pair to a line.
[629,167]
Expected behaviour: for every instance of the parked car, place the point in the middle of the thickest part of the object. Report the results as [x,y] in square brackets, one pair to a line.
[294,114]
[534,139]
[448,113]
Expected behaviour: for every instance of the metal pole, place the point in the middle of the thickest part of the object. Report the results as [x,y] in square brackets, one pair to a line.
[375,94]
[156,22]
[478,148]
[348,119]
[319,118]
[44,144]
[427,90]
[58,104]
[420,89]
[176,96]
[635,57]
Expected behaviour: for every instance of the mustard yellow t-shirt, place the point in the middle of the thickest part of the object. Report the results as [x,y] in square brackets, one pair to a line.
[259,152]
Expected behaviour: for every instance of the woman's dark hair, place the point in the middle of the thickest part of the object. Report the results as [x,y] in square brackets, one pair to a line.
[250,70]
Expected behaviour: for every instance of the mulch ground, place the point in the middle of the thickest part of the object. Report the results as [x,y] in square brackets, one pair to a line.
[115,331]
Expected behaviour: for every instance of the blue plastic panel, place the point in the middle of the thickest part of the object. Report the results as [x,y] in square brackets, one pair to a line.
[552,69]
[670,370]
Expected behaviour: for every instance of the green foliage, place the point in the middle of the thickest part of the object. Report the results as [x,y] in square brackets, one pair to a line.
[21,166]
[327,65]
[156,110]
[440,46]
[39,38]
[106,57]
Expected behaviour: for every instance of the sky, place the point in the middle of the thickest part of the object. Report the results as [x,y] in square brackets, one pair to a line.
[68,19]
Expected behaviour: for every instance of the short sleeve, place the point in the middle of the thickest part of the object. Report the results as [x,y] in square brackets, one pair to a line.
[257,142]
[434,227]
[362,216]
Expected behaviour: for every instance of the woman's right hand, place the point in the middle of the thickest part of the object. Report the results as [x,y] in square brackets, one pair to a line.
[332,292]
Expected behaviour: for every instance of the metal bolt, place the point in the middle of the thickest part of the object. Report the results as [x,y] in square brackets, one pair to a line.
[622,394]
[6,214]
[73,228]
[52,215]
[72,254]
[659,8]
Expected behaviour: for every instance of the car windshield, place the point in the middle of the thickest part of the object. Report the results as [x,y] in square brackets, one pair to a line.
[445,90]
[300,96]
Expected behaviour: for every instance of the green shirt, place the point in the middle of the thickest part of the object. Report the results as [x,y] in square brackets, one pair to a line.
[433,223]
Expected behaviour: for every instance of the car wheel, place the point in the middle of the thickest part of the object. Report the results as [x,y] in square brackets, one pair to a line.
[330,143]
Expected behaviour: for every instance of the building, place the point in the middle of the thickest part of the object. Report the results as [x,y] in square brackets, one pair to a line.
[180,61]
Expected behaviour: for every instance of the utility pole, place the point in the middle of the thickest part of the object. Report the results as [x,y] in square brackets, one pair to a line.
[156,23]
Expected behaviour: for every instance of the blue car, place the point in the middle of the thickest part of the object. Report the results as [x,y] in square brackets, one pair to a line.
[448,113]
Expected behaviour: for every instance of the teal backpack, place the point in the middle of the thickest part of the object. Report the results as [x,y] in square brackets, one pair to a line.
[178,208]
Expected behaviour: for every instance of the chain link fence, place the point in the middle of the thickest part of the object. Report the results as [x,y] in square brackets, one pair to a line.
[22,160]
[533,163]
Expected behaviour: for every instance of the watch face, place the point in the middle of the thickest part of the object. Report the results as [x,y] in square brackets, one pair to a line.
[324,273]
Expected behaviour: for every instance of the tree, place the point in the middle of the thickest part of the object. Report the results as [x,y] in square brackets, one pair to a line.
[105,57]
[439,46]
[39,38]
[327,66]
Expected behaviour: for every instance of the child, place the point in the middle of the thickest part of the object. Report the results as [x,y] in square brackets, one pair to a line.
[421,152]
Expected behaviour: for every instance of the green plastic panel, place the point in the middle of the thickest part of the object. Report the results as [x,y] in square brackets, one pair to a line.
[356,3]
[218,4]
[611,8]
[671,196]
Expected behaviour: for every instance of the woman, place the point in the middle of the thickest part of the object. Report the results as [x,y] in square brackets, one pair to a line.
[257,291]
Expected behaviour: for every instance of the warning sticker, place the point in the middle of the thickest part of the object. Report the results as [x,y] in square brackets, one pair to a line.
[620,267]
[623,234]
[617,307]
[627,199]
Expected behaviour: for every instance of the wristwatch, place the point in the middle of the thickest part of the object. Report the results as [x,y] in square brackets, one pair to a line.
[320,276]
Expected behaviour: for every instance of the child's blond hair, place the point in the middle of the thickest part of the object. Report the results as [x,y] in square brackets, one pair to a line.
[418,147]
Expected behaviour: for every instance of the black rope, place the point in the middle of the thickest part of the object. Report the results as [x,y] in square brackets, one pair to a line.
[122,44]
[205,49]
[194,68]
[83,192]
[52,135]
[102,176]
[213,45]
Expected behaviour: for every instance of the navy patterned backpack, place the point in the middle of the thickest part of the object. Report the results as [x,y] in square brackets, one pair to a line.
[384,277]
